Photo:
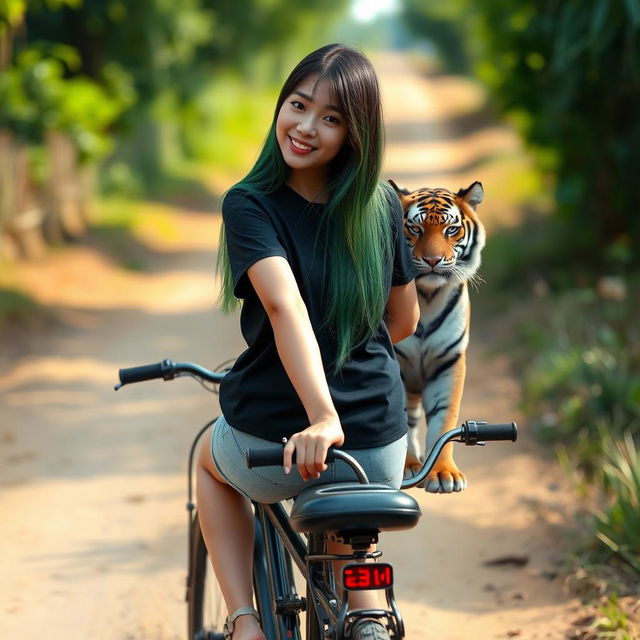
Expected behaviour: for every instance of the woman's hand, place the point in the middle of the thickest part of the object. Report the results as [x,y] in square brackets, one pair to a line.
[311,446]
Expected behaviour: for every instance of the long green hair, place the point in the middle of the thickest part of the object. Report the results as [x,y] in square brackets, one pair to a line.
[357,214]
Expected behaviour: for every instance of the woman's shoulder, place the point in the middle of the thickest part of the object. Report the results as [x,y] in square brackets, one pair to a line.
[241,198]
[241,193]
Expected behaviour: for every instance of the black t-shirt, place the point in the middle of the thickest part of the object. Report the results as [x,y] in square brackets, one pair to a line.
[257,396]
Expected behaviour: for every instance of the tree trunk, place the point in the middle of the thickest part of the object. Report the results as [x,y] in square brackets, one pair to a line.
[64,194]
[20,213]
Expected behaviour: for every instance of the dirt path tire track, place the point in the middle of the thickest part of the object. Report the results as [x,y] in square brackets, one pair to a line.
[94,483]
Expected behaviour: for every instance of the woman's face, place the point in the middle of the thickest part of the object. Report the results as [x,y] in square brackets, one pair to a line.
[310,130]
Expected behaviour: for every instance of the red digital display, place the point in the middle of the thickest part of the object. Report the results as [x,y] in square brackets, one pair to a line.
[377,575]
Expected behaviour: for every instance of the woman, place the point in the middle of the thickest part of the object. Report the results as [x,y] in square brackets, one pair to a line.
[313,244]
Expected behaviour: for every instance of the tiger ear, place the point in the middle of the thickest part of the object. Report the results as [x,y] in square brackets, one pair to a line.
[403,194]
[472,195]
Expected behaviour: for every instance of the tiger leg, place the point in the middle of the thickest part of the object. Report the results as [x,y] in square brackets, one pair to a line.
[413,463]
[441,399]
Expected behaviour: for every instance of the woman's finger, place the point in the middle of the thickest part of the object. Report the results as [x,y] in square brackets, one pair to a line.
[310,460]
[320,456]
[287,457]
[301,453]
[316,454]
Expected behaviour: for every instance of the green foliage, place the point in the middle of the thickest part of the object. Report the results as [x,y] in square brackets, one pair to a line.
[152,83]
[580,357]
[11,14]
[155,40]
[186,62]
[618,525]
[15,305]
[36,97]
[233,123]
[244,27]
[582,382]
[612,622]
[568,73]
[444,24]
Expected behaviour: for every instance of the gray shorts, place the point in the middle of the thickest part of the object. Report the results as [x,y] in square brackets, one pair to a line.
[270,484]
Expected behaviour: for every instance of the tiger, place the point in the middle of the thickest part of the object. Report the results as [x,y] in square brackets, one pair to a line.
[446,239]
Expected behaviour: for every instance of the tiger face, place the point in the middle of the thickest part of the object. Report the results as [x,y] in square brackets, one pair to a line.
[444,232]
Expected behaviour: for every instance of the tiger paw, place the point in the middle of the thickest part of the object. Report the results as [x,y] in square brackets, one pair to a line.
[412,465]
[445,478]
[411,471]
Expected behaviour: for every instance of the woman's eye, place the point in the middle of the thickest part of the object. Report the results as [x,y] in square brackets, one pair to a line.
[297,104]
[332,120]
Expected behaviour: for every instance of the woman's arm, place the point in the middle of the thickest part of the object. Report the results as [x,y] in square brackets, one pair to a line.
[298,349]
[403,311]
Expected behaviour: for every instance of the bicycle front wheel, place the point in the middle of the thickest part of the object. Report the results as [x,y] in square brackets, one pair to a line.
[205,607]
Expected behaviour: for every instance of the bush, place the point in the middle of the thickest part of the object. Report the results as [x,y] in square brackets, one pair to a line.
[583,380]
[580,353]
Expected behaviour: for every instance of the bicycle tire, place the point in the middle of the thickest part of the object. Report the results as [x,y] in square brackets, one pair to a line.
[369,630]
[312,623]
[316,545]
[261,588]
[206,611]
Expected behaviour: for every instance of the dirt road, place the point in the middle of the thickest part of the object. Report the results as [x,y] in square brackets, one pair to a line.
[94,482]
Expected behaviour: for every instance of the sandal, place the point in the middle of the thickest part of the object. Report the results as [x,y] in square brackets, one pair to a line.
[229,623]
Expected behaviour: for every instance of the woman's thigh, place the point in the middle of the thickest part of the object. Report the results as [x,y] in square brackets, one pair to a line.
[271,484]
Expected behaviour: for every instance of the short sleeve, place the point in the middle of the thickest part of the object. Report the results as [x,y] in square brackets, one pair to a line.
[250,235]
[404,271]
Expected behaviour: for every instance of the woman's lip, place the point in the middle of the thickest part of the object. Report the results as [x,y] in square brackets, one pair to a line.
[298,150]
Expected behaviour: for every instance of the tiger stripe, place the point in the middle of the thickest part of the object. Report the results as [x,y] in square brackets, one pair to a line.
[446,238]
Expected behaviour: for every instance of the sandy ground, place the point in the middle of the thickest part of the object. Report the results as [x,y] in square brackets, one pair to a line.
[94,483]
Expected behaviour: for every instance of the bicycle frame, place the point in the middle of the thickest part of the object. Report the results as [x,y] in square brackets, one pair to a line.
[277,544]
[325,609]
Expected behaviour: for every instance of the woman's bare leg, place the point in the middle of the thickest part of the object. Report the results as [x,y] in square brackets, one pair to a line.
[357,599]
[227,525]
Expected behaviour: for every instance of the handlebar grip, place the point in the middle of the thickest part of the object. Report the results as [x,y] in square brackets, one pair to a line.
[272,456]
[483,432]
[144,372]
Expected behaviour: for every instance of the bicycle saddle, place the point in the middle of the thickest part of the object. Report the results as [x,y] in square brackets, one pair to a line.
[350,506]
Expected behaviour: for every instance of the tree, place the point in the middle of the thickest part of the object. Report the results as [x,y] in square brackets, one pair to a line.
[569,73]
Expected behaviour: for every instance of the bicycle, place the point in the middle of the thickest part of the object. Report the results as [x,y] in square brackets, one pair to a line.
[354,512]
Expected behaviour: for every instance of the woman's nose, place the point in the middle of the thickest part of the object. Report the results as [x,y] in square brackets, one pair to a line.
[306,126]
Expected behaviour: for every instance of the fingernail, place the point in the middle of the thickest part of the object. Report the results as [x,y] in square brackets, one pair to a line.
[287,469]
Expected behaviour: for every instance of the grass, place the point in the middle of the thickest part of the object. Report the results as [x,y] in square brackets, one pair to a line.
[618,524]
[574,339]
[611,618]
[15,306]
[613,621]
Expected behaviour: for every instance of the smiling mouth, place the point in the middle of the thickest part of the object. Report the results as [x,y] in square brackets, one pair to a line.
[300,146]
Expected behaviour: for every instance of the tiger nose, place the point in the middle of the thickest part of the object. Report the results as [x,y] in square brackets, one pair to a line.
[433,260]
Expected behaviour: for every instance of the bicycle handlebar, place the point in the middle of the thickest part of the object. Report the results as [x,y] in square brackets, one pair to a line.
[471,432]
[167,370]
[272,456]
